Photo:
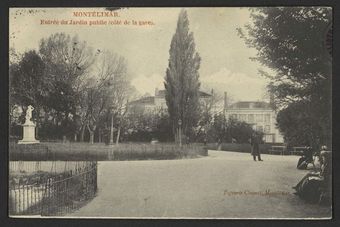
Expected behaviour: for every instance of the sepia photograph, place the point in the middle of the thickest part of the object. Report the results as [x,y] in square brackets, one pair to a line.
[170,113]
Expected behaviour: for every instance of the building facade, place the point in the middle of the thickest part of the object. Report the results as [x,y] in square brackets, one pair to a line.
[256,113]
[158,103]
[259,115]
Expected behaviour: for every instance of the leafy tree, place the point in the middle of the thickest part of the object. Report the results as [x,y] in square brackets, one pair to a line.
[75,94]
[302,132]
[107,91]
[218,129]
[182,78]
[68,61]
[27,80]
[14,57]
[142,126]
[290,41]
[206,114]
[229,130]
[27,84]
[240,131]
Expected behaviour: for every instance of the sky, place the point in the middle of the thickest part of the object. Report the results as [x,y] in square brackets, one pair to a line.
[225,64]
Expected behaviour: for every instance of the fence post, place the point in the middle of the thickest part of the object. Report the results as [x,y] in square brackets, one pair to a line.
[64,193]
[96,176]
[19,189]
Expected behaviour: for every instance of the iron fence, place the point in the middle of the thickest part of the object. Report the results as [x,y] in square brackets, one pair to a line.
[53,193]
[24,166]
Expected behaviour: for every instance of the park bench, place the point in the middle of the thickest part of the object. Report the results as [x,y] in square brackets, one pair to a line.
[277,150]
[298,150]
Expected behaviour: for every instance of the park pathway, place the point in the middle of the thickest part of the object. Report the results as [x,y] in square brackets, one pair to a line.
[221,185]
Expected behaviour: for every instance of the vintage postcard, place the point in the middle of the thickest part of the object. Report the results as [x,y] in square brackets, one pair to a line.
[204,113]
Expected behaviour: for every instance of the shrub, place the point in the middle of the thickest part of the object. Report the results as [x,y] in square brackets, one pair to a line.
[85,151]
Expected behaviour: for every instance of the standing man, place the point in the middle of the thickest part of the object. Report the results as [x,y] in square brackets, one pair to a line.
[255,147]
[219,144]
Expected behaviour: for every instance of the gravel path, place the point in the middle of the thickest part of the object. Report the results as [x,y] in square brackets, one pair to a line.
[221,185]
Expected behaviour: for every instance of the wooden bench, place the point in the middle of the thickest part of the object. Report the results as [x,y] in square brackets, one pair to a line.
[298,150]
[277,150]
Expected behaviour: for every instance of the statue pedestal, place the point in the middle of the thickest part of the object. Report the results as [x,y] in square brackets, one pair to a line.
[28,134]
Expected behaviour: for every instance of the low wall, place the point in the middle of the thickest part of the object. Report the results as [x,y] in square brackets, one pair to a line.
[239,147]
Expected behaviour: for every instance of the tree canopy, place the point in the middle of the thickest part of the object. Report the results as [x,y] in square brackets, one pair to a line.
[27,85]
[71,87]
[291,42]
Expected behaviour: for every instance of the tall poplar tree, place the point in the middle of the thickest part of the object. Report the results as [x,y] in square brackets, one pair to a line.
[182,78]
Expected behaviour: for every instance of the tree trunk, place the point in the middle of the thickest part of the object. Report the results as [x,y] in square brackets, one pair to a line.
[118,135]
[75,137]
[91,137]
[99,136]
[37,124]
[82,133]
[91,131]
[37,131]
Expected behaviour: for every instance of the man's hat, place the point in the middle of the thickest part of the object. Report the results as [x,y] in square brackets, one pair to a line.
[326,154]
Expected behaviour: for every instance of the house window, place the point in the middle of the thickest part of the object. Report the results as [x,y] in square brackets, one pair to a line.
[233,116]
[267,118]
[267,129]
[259,117]
[251,118]
[259,128]
[243,117]
[269,138]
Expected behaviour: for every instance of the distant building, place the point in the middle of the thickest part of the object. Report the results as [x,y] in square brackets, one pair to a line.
[258,114]
[158,102]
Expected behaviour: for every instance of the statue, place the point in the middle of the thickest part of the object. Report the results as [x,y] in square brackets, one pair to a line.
[28,136]
[29,114]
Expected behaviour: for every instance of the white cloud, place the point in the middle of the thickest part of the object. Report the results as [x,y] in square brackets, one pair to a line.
[225,62]
[148,84]
[239,86]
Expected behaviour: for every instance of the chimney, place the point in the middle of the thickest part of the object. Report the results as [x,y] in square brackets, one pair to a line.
[156,91]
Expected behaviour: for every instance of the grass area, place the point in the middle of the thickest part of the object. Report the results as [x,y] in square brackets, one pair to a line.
[99,151]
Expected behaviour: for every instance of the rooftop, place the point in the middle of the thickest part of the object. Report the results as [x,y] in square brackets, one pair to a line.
[250,105]
[159,94]
[145,100]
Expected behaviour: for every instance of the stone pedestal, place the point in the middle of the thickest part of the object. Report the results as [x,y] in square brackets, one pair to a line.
[28,135]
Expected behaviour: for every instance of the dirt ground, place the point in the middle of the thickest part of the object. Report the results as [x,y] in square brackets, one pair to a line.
[221,185]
